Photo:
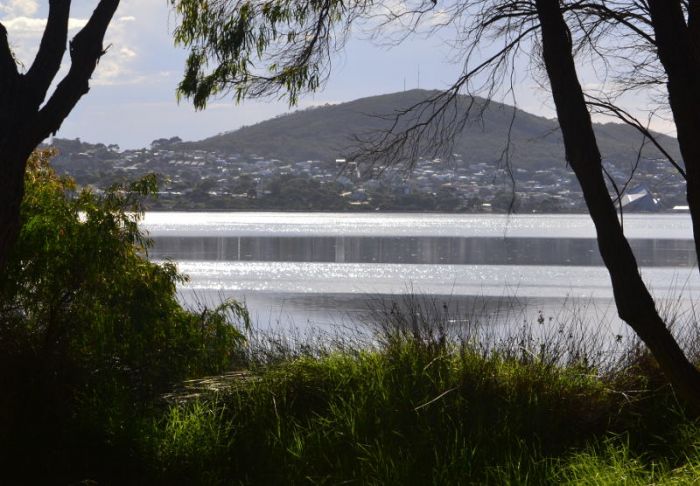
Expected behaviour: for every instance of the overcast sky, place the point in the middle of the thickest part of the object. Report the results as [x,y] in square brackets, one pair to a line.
[132,100]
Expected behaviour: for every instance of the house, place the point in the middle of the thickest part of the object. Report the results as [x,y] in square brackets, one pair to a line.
[639,198]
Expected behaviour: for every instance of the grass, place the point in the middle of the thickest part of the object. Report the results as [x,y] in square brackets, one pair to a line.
[422,407]
[612,463]
[424,400]
[407,416]
[385,418]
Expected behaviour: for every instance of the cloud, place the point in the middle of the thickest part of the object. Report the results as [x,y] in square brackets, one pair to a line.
[126,53]
[19,7]
[25,34]
[115,68]
[119,65]
[26,23]
[33,25]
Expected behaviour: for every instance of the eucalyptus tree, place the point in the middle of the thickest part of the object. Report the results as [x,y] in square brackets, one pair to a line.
[28,115]
[261,48]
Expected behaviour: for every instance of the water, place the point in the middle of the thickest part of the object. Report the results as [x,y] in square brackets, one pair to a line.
[662,226]
[326,270]
[416,250]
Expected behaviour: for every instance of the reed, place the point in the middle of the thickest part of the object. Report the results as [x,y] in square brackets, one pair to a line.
[428,400]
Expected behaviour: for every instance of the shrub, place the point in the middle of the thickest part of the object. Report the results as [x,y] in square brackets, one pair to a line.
[90,330]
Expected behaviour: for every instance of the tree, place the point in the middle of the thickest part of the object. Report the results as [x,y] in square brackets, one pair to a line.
[258,49]
[634,302]
[27,117]
[91,330]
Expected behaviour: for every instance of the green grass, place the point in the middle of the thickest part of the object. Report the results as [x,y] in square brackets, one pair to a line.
[414,413]
[416,405]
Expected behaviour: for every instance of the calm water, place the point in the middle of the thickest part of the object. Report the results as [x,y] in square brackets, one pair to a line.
[663,226]
[328,269]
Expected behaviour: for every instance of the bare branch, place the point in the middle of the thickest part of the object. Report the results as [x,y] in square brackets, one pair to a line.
[51,50]
[429,126]
[622,16]
[622,115]
[85,51]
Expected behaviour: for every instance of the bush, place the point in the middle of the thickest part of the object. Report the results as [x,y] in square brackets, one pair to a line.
[90,330]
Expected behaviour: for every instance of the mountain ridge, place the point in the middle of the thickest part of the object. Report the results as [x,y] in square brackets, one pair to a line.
[289,162]
[325,133]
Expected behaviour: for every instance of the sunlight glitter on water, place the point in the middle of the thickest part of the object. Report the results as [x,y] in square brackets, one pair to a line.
[321,292]
[659,226]
[489,280]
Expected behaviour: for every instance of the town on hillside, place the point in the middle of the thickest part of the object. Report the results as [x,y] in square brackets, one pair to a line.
[200,179]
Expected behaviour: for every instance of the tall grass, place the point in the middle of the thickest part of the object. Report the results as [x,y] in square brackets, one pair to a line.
[427,403]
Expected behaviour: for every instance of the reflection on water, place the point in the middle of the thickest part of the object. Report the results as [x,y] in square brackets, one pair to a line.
[299,292]
[672,226]
[326,270]
[386,278]
[423,250]
[350,313]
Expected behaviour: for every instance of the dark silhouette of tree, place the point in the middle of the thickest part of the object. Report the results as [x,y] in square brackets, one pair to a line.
[634,303]
[258,49]
[27,117]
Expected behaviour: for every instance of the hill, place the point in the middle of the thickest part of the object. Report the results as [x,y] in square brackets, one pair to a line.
[326,133]
[289,163]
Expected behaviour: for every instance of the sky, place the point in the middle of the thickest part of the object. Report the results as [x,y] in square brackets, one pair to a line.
[132,100]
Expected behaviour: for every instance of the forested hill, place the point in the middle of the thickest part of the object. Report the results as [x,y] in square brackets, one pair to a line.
[326,133]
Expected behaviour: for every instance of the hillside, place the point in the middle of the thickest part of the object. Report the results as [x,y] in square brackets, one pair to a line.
[326,133]
[289,163]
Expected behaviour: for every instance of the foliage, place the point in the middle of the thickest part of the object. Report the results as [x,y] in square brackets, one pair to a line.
[424,410]
[79,285]
[239,33]
[90,329]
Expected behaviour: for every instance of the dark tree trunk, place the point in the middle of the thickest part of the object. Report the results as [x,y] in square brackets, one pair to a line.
[677,48]
[634,303]
[11,194]
[25,120]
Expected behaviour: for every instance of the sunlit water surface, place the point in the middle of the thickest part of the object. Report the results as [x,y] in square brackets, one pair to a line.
[330,270]
[669,226]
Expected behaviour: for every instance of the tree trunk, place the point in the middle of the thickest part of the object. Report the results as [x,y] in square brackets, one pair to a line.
[634,303]
[25,120]
[677,48]
[11,194]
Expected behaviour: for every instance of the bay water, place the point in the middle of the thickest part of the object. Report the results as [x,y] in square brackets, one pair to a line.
[332,270]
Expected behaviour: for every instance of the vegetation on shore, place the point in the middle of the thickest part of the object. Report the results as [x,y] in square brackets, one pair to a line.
[91,332]
[428,413]
[93,341]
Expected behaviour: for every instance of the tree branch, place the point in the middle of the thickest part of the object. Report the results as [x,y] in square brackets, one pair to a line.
[694,22]
[53,45]
[627,118]
[8,66]
[85,51]
[605,13]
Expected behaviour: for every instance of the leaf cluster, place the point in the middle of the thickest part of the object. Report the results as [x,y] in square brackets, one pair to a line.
[80,296]
[257,47]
